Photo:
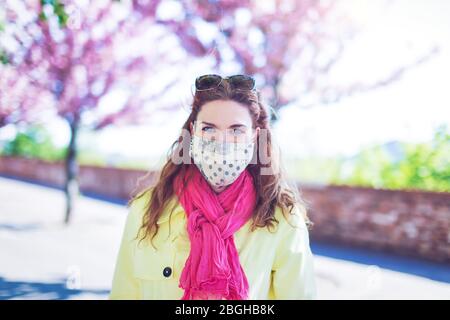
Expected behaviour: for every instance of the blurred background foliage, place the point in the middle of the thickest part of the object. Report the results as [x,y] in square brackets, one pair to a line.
[424,166]
[33,142]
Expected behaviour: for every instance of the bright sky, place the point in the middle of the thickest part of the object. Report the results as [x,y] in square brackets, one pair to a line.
[407,110]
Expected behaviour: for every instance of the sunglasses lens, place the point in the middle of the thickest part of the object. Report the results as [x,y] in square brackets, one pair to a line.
[242,82]
[207,82]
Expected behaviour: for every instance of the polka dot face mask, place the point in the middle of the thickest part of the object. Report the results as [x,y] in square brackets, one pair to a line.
[220,162]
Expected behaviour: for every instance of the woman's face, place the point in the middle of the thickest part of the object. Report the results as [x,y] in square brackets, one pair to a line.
[224,120]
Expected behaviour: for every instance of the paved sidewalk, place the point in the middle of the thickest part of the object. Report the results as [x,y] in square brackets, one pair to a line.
[40,258]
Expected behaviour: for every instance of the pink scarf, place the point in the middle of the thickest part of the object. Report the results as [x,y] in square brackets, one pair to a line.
[213,270]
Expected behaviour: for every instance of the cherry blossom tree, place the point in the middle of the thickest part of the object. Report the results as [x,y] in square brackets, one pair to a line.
[66,58]
[290,46]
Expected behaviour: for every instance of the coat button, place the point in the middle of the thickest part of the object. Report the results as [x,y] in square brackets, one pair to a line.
[167,272]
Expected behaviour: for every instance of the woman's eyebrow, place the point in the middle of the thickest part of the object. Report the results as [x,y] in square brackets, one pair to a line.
[232,126]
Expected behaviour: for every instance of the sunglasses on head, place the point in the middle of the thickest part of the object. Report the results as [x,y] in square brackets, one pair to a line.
[212,81]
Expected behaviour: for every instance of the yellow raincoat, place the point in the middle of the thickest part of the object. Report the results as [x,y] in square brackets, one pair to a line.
[278,263]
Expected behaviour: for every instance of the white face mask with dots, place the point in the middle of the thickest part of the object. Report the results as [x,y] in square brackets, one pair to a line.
[220,163]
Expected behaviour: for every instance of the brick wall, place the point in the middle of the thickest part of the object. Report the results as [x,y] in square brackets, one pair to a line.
[414,223]
[108,182]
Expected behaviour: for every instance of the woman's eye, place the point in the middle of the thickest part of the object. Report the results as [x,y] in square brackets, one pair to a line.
[237,131]
[207,129]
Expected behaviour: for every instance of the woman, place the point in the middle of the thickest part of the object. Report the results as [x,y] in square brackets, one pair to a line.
[221,222]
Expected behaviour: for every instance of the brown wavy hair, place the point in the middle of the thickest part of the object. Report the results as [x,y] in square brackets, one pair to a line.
[271,190]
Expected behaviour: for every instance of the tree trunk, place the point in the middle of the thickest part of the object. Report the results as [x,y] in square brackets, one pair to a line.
[274,103]
[71,169]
